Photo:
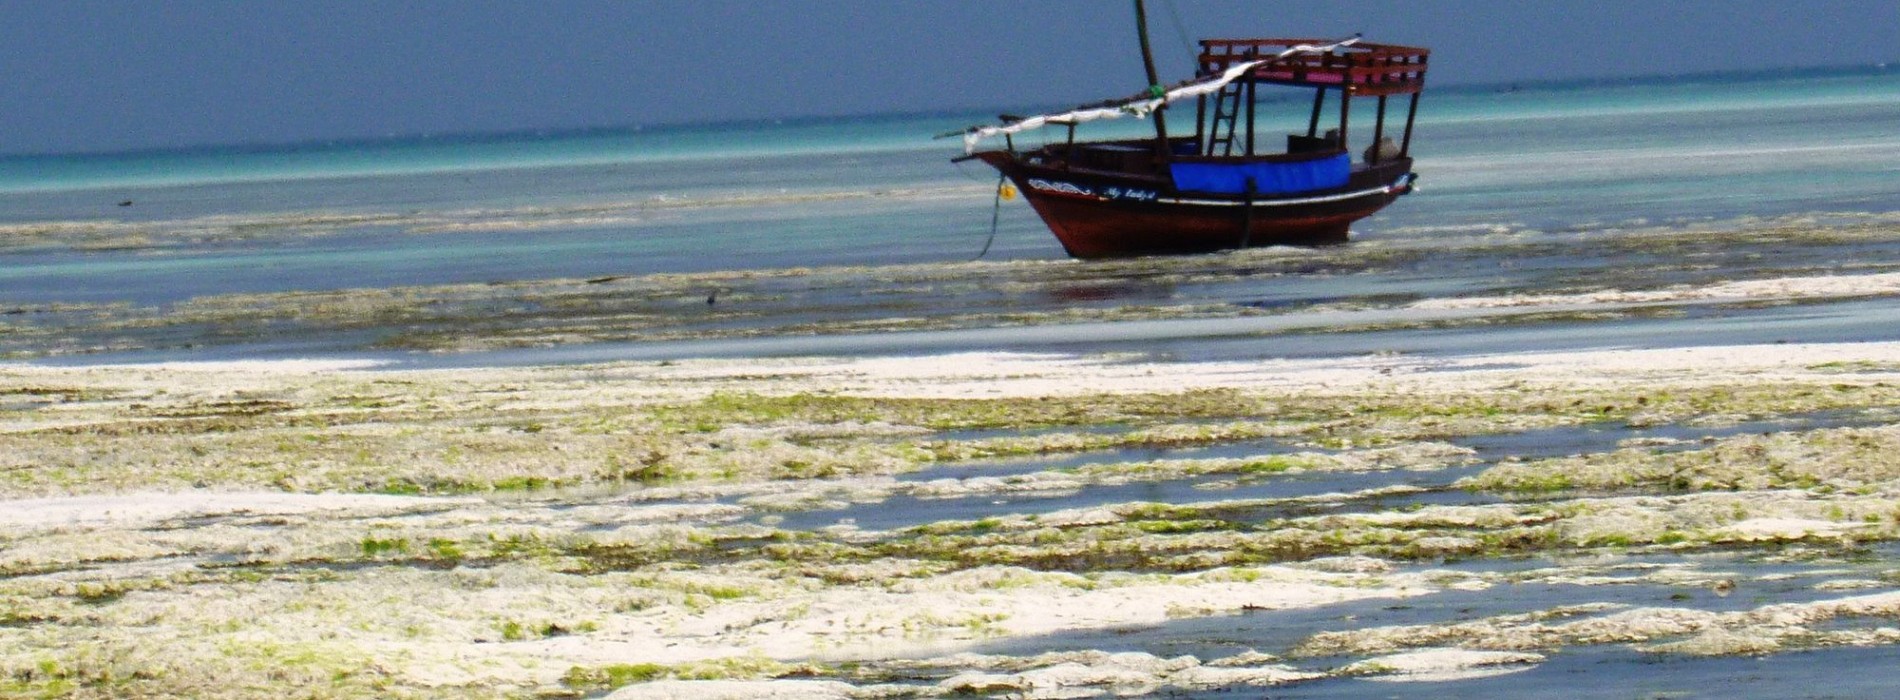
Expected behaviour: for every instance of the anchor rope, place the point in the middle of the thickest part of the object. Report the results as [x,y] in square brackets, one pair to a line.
[996,216]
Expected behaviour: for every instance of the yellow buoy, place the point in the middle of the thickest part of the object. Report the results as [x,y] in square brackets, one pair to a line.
[1006,191]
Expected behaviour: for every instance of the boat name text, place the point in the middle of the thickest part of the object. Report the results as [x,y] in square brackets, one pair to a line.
[1072,189]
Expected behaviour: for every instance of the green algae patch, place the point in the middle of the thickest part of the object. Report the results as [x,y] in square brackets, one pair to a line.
[1750,631]
[1160,538]
[1835,459]
[613,676]
[723,409]
[542,432]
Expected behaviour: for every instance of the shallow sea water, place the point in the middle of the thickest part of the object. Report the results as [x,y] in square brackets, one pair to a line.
[1589,671]
[879,191]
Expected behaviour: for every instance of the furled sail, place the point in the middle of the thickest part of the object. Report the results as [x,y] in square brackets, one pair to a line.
[1141,106]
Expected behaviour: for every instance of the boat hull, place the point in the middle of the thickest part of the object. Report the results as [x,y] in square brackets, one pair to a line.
[1103,215]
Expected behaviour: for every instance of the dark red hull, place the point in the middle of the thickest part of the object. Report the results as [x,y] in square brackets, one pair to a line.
[1111,215]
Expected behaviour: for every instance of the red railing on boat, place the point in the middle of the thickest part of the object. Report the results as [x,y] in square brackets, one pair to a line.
[1363,68]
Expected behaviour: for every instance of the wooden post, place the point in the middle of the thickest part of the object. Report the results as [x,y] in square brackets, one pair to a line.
[1319,104]
[1405,149]
[1246,218]
[1252,101]
[1200,124]
[1378,131]
[1345,116]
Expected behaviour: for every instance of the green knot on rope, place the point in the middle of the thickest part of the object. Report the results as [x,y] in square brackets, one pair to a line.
[1157,92]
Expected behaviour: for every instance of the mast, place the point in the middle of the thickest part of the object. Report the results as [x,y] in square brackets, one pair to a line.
[1154,81]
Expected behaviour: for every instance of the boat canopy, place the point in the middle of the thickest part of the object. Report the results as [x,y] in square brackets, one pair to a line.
[1236,60]
[1360,69]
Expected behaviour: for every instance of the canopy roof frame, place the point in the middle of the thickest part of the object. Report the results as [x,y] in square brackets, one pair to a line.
[1362,68]
[1148,101]
[1354,68]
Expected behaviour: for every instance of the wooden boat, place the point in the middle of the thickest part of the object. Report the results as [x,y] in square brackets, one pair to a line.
[1223,186]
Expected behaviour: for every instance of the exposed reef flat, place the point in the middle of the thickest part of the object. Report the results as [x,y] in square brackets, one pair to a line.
[1644,272]
[994,524]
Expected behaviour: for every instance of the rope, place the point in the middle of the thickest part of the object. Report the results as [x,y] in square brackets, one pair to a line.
[996,215]
[1180,30]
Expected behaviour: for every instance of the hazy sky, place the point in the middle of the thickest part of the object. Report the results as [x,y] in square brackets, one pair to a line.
[85,75]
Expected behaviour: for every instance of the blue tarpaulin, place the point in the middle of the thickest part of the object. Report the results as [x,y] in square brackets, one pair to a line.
[1268,177]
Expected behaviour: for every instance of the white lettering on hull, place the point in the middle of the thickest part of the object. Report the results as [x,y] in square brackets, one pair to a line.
[1111,193]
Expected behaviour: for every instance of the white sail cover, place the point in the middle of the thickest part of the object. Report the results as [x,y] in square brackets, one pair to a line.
[1141,108]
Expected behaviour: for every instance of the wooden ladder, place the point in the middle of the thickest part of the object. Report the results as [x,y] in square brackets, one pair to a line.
[1226,113]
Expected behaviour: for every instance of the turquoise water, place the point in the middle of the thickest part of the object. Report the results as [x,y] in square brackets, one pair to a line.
[880,190]
[457,154]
